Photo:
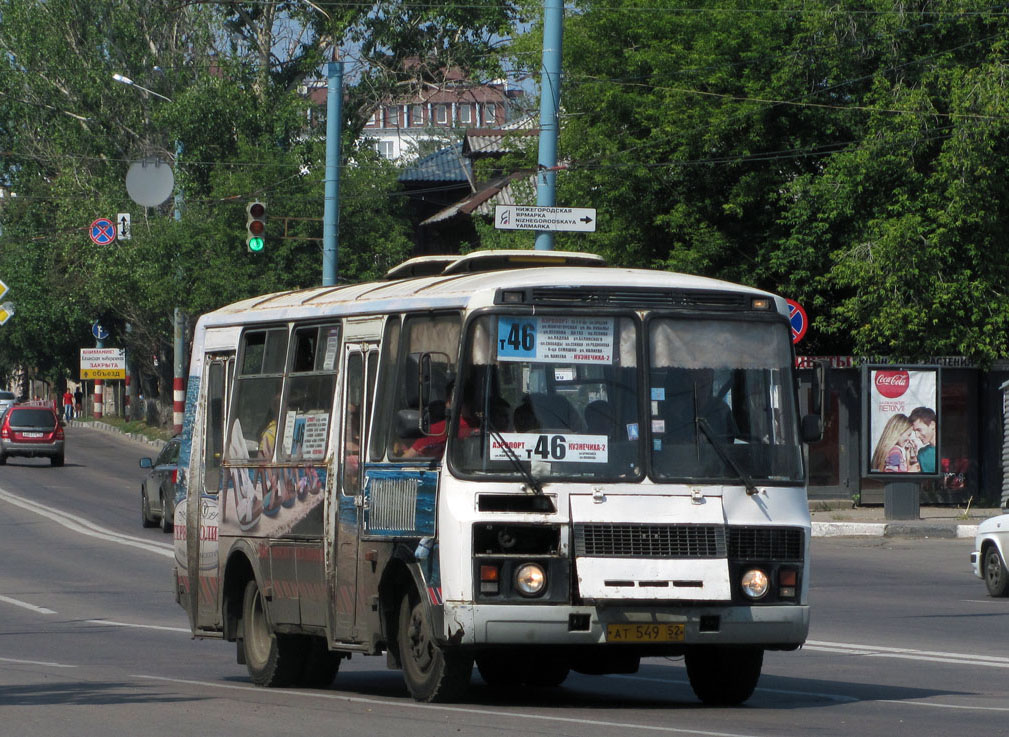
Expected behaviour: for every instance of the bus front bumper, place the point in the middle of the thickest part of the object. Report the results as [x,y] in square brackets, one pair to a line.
[774,627]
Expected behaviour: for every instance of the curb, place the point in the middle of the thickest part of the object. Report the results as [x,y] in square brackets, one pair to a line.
[107,428]
[909,529]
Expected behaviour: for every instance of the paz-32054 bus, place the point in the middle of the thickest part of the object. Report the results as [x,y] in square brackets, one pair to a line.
[521,460]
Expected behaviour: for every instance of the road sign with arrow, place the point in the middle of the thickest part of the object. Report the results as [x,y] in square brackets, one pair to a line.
[519,217]
[123,226]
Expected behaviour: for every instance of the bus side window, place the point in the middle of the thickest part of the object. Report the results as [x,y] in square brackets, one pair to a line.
[256,403]
[352,427]
[311,386]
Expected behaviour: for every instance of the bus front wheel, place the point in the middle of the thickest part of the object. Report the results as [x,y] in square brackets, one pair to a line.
[724,676]
[272,659]
[432,673]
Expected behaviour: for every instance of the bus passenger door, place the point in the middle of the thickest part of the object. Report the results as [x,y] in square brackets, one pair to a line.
[351,592]
[203,504]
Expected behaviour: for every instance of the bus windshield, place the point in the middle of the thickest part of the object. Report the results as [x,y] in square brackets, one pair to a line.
[721,401]
[556,394]
[559,397]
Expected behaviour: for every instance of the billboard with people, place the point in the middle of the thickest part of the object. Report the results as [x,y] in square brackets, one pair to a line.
[902,414]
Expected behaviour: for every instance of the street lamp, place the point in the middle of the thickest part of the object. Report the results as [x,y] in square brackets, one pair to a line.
[130,83]
[178,384]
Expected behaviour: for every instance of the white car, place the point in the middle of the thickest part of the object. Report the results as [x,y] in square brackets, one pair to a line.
[7,399]
[989,556]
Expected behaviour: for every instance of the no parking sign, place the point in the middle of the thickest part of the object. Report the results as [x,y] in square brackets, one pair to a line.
[103,232]
[797,317]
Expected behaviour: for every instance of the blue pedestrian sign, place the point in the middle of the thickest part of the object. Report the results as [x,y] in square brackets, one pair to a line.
[103,232]
[797,317]
[99,332]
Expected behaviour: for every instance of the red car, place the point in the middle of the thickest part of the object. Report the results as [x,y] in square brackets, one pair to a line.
[32,430]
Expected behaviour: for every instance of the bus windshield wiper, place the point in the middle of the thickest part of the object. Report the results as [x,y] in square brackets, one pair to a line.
[515,460]
[718,444]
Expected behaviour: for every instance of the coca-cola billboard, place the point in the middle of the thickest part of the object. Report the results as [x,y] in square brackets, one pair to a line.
[892,384]
[902,413]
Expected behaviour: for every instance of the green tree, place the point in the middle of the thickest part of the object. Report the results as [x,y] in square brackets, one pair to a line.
[218,94]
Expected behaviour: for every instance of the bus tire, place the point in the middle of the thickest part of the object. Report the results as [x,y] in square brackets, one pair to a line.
[272,659]
[724,676]
[321,664]
[432,673]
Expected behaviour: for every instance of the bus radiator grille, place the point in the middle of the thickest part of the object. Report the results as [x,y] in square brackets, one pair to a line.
[766,543]
[602,540]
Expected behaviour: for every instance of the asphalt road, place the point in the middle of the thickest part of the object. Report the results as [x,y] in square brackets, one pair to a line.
[904,641]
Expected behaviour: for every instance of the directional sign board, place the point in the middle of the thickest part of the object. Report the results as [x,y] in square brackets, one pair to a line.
[103,232]
[123,230]
[520,217]
[103,363]
[797,317]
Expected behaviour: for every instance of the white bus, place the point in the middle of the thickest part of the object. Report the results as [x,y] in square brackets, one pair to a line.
[524,460]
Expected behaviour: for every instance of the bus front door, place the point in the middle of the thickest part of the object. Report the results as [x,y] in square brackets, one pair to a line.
[205,496]
[350,590]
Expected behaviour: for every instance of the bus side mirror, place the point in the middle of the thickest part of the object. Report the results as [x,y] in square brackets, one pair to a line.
[812,429]
[433,388]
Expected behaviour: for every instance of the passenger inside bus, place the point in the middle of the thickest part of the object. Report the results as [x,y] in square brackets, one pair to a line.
[432,445]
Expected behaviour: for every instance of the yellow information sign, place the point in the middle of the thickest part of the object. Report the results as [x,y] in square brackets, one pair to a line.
[103,374]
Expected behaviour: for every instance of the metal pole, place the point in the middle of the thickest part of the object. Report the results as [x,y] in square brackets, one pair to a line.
[178,378]
[331,208]
[99,403]
[550,98]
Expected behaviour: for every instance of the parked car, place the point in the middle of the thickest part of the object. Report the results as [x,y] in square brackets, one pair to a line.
[32,431]
[989,556]
[157,491]
[7,400]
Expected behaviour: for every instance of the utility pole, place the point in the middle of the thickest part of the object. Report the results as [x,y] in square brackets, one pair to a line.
[331,207]
[550,99]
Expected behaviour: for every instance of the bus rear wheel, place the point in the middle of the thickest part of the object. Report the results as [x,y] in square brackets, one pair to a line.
[272,659]
[724,676]
[432,673]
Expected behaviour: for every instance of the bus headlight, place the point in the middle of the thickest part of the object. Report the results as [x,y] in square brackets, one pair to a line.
[530,579]
[755,583]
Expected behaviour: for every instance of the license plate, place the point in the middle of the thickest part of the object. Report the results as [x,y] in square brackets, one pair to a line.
[33,434]
[644,633]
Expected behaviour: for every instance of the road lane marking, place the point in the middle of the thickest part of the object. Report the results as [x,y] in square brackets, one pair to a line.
[84,527]
[26,605]
[35,662]
[879,651]
[329,696]
[164,628]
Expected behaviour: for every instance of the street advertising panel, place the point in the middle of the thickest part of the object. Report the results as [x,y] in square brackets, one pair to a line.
[103,363]
[902,413]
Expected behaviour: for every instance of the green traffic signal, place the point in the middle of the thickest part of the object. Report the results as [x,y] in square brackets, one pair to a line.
[255,226]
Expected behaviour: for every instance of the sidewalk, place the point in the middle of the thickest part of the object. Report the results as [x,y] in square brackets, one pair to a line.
[841,519]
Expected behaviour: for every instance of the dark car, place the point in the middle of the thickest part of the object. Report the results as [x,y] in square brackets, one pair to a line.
[157,491]
[32,431]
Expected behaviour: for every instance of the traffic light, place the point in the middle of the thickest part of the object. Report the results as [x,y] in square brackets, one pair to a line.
[255,225]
